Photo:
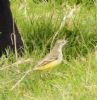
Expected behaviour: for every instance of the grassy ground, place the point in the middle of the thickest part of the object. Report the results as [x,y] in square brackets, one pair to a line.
[38,21]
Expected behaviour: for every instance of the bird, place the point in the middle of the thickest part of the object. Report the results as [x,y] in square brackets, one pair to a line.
[53,58]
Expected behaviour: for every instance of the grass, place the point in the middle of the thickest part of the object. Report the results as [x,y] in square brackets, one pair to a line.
[38,21]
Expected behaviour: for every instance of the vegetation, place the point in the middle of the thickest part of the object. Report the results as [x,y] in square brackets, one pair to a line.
[76,77]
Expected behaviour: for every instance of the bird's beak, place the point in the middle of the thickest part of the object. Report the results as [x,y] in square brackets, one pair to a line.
[65,41]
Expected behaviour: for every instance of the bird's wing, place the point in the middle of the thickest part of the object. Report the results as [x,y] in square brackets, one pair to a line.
[46,61]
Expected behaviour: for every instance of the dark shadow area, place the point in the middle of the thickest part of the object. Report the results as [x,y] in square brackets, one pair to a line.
[6,29]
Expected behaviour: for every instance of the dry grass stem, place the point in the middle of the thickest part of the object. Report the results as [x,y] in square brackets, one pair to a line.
[18,62]
[65,20]
[19,81]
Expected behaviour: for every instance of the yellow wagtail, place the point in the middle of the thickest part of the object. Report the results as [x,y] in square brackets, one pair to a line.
[52,59]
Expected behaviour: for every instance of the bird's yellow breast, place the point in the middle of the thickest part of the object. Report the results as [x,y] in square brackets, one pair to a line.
[49,65]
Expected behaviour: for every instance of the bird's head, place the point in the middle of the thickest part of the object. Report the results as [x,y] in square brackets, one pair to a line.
[61,42]
[59,45]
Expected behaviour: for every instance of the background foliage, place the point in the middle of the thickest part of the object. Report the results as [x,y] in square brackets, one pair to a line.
[38,20]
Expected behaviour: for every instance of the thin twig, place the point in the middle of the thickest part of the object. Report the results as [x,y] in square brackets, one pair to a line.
[91,86]
[64,21]
[19,81]
[25,7]
[18,62]
[14,40]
